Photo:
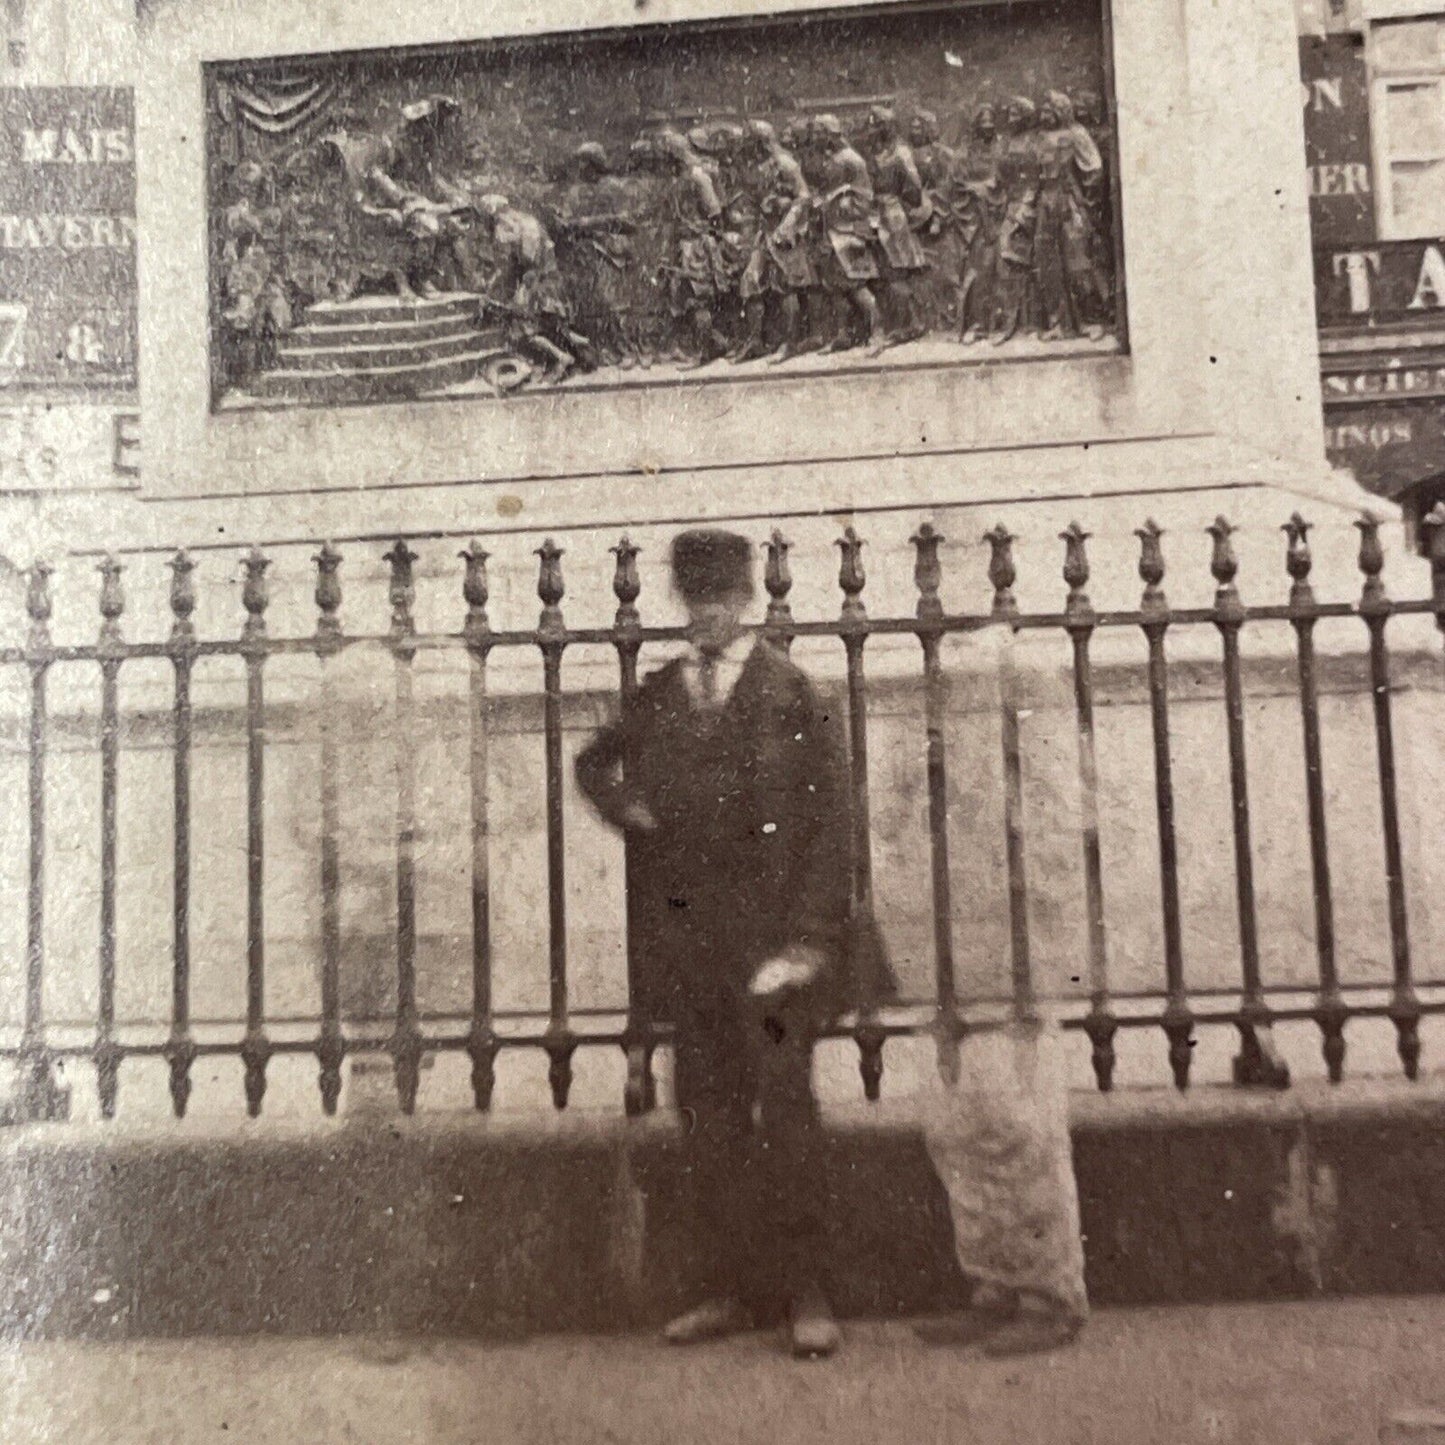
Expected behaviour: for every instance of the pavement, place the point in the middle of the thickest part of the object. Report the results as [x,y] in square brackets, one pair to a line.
[1332,1372]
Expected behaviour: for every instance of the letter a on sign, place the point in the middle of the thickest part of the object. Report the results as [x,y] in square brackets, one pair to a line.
[1430,289]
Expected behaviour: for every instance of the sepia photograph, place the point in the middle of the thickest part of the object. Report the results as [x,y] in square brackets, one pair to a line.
[717,719]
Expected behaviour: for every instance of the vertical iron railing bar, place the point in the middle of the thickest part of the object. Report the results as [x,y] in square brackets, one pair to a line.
[255,1048]
[482,1042]
[328,642]
[1259,1061]
[853,631]
[928,577]
[181,1048]
[1100,1025]
[405,1046]
[1331,1011]
[1005,611]
[640,1090]
[561,1042]
[1376,609]
[40,1095]
[1177,1021]
[108,1052]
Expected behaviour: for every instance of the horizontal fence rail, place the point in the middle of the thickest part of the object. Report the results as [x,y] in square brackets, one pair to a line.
[1173,1008]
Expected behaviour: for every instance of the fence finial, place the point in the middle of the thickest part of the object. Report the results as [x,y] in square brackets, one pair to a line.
[851,576]
[475,590]
[1001,570]
[255,594]
[112,597]
[402,591]
[183,594]
[1224,564]
[1076,566]
[328,592]
[778,581]
[550,587]
[626,583]
[1151,562]
[1297,559]
[928,572]
[1371,562]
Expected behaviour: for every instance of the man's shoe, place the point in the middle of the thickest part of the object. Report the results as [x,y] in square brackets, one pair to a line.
[713,1320]
[813,1332]
[1032,1333]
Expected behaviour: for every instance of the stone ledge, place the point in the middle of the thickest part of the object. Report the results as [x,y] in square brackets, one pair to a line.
[460,1224]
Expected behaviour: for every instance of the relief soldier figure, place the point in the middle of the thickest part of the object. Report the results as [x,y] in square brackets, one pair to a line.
[1072,293]
[934,159]
[700,279]
[526,288]
[849,261]
[1099,199]
[779,269]
[721,146]
[314,204]
[254,292]
[1020,179]
[646,188]
[902,207]
[396,231]
[594,248]
[421,146]
[796,137]
[978,204]
[935,222]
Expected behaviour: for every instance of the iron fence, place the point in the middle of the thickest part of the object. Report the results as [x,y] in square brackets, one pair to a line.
[1174,1010]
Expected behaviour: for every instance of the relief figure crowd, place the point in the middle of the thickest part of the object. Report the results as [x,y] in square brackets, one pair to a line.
[731,240]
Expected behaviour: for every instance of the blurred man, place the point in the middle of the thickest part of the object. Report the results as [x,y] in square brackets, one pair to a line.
[729,780]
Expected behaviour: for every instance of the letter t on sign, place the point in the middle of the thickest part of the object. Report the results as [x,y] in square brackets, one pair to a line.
[1356,266]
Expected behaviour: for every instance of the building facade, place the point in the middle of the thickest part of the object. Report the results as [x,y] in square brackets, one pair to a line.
[1371,85]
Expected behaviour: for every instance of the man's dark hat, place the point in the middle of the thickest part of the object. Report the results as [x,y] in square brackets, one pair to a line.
[708,564]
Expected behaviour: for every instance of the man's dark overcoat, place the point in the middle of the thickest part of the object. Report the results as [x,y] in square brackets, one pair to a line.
[752,853]
[750,859]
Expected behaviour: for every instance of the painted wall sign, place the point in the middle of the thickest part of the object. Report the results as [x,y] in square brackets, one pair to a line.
[1334,89]
[67,240]
[1388,282]
[1387,446]
[1382,383]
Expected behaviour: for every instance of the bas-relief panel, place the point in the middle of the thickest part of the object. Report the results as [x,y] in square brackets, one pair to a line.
[847,190]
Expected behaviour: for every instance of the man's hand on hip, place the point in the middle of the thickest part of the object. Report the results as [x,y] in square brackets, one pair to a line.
[637,817]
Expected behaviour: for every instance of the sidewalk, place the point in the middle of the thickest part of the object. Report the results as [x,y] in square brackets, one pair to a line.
[1317,1373]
